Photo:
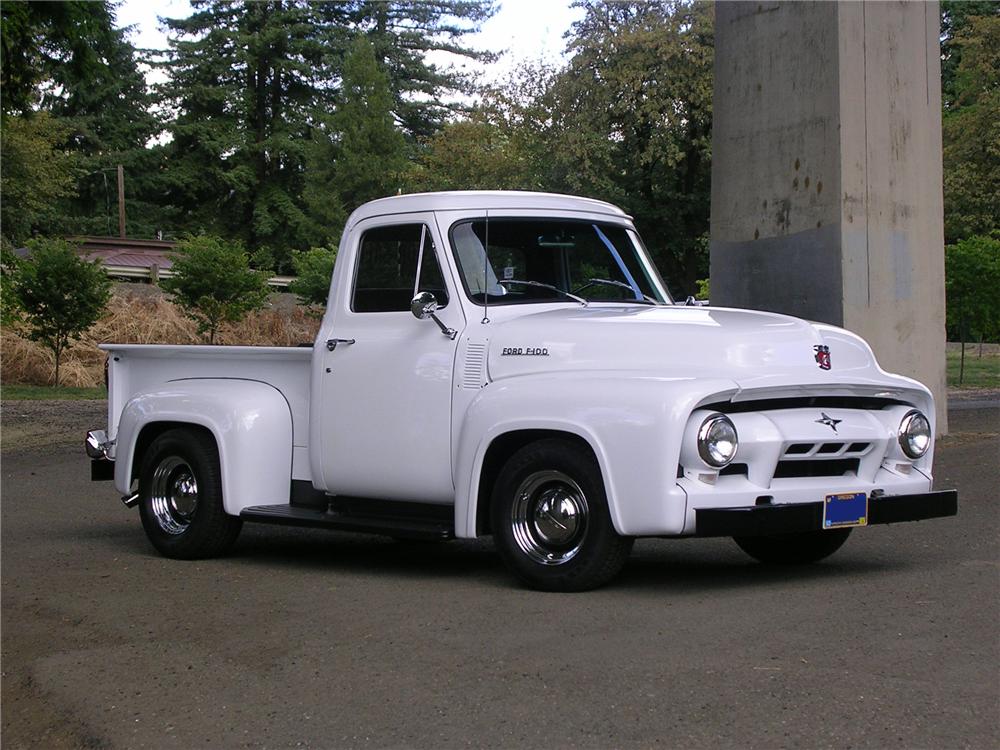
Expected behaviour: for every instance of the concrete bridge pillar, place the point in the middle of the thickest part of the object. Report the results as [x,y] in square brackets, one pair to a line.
[826,172]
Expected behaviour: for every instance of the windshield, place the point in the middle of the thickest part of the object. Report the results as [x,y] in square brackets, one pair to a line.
[552,260]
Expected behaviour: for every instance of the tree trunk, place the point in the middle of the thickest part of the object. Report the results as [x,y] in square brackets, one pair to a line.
[962,334]
[961,366]
[58,353]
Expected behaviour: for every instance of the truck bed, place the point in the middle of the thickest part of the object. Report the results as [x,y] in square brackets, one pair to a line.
[141,368]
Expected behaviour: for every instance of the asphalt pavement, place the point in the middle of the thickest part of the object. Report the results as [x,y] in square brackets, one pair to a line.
[307,638]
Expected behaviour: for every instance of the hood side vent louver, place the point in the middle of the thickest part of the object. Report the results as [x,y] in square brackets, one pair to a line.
[474,372]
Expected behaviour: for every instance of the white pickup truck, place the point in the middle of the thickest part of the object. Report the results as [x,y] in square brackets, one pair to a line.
[511,364]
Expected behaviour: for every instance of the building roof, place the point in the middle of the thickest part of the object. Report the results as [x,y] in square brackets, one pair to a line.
[119,252]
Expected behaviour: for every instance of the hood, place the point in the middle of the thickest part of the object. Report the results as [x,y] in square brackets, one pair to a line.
[749,347]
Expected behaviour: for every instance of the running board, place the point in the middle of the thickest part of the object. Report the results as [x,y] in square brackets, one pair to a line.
[396,526]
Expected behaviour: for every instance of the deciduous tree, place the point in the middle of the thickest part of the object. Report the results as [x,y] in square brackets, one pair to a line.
[633,121]
[972,277]
[971,130]
[37,175]
[60,294]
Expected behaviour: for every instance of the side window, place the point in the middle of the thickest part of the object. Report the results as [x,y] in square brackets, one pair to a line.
[394,263]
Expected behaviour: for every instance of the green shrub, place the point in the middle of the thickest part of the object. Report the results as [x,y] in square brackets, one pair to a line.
[213,282]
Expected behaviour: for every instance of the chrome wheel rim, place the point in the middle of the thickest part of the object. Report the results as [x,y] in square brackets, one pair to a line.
[549,517]
[174,495]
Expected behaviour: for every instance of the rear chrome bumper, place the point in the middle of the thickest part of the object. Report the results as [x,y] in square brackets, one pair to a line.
[97,444]
[102,468]
[795,518]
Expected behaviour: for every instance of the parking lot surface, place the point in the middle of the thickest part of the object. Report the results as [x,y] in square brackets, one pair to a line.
[307,638]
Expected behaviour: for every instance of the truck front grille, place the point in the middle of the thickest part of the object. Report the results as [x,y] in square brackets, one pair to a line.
[817,467]
[808,450]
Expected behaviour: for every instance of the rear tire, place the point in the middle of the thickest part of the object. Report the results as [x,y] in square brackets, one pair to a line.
[180,497]
[550,519]
[793,549]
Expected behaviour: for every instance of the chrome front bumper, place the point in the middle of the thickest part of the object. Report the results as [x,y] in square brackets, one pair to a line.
[795,518]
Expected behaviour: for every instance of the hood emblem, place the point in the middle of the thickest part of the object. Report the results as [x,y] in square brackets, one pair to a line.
[822,356]
[828,421]
[524,351]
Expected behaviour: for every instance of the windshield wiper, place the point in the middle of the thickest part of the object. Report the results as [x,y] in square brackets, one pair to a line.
[610,282]
[563,292]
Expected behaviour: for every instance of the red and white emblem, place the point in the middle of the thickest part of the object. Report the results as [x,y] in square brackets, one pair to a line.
[822,356]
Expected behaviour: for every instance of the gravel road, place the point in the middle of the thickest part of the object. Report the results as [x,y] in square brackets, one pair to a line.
[307,638]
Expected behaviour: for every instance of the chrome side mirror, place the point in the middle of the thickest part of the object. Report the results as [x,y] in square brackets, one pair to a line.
[424,306]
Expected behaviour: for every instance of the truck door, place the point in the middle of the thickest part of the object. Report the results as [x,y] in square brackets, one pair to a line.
[385,399]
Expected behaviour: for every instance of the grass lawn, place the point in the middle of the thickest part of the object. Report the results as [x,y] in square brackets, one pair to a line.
[37,392]
[980,372]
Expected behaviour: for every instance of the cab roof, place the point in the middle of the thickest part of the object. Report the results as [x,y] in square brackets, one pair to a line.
[466,200]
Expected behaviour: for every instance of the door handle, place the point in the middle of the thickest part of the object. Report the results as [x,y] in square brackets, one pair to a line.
[331,344]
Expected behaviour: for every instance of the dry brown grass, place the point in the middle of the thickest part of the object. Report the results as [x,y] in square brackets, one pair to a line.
[145,318]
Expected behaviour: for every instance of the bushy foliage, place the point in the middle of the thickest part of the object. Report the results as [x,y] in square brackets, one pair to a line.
[972,274]
[214,284]
[10,311]
[313,270]
[61,295]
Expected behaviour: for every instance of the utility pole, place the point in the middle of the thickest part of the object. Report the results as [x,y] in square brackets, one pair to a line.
[121,201]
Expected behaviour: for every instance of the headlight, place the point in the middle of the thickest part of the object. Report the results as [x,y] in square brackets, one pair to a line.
[914,434]
[717,440]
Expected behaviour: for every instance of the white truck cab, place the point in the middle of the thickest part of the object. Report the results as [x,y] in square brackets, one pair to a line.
[511,364]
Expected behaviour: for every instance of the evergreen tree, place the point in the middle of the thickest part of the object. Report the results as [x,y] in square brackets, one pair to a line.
[628,120]
[68,60]
[111,114]
[402,32]
[257,88]
[246,82]
[366,151]
[47,48]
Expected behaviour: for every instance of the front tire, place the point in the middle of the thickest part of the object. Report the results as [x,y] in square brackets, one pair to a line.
[793,549]
[550,519]
[180,497]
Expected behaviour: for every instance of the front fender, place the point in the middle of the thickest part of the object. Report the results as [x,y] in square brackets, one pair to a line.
[252,425]
[633,423]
